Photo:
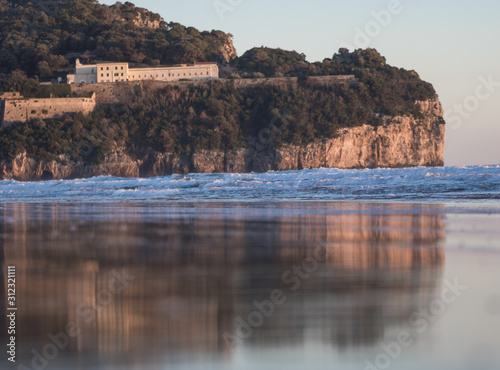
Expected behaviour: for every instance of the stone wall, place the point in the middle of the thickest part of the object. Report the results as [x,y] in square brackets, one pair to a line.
[314,80]
[109,93]
[123,92]
[10,95]
[23,110]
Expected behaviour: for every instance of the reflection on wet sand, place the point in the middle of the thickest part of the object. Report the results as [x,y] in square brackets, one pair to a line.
[163,284]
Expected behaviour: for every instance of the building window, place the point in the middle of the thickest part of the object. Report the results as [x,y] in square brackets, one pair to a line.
[107,68]
[122,68]
[122,74]
[169,75]
[102,68]
[107,75]
[116,68]
[190,74]
[102,74]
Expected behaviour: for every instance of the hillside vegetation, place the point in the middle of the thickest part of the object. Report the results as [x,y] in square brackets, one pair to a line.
[43,37]
[40,39]
[215,116]
[392,88]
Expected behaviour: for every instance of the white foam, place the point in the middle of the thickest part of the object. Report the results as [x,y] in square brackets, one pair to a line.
[447,184]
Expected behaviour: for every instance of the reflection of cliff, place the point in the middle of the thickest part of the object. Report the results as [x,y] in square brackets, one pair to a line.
[198,269]
[233,235]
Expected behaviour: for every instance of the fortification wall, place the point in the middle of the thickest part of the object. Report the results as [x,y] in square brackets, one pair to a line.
[10,95]
[315,80]
[109,92]
[123,92]
[22,110]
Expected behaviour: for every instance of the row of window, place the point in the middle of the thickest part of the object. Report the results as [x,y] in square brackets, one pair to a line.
[107,68]
[107,74]
[151,76]
[173,75]
[116,68]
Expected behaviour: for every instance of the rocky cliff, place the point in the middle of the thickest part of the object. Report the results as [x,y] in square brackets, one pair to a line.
[399,142]
[227,49]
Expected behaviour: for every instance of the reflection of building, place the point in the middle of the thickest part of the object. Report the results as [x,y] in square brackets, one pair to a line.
[196,273]
[119,71]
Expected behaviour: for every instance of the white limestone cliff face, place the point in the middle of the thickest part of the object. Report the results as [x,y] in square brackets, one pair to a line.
[23,168]
[400,142]
[148,20]
[227,49]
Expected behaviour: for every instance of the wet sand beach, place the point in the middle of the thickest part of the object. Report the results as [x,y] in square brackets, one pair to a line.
[262,285]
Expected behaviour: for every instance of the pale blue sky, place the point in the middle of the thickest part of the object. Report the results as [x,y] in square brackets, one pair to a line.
[449,43]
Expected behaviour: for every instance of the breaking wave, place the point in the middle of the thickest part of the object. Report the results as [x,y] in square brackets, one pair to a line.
[449,184]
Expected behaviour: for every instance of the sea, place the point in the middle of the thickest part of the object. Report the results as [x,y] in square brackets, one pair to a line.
[324,269]
[429,185]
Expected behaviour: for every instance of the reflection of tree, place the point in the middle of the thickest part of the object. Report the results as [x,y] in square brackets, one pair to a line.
[198,269]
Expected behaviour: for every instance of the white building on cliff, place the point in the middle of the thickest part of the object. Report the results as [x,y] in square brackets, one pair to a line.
[119,71]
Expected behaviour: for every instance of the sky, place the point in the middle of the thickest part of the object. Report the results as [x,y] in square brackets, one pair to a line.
[451,44]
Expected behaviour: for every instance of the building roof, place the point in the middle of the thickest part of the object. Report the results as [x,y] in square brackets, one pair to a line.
[105,62]
[149,66]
